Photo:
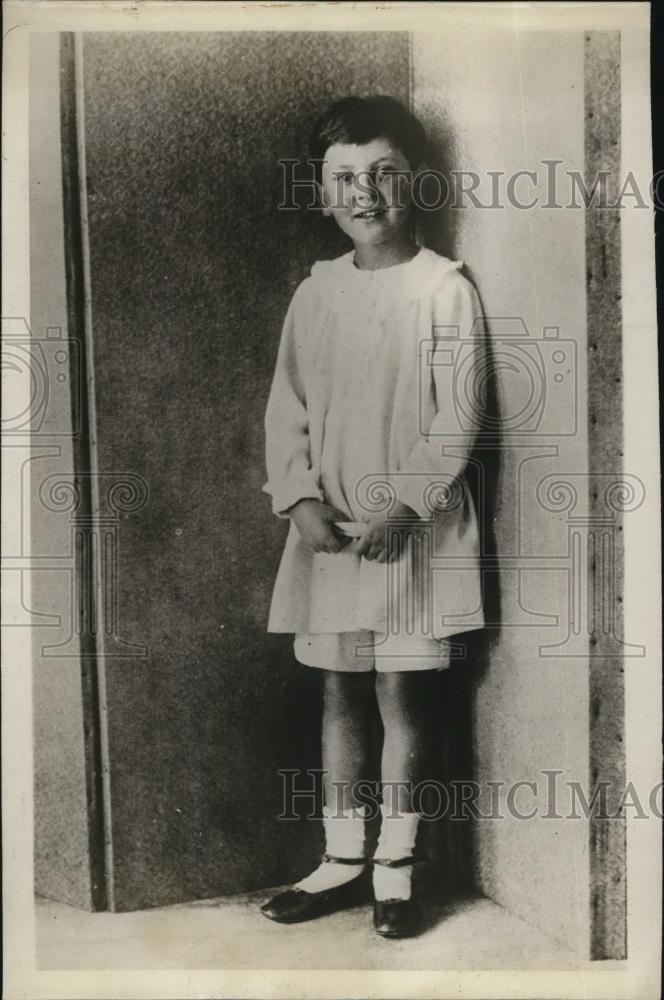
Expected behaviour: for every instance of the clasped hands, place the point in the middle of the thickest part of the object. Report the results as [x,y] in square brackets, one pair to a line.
[315,521]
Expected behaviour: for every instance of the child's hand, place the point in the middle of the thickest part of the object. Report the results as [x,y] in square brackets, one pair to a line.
[315,522]
[372,544]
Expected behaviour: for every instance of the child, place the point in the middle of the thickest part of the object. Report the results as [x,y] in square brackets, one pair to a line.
[357,417]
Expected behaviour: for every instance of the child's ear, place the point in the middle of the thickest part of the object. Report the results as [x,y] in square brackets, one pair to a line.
[321,199]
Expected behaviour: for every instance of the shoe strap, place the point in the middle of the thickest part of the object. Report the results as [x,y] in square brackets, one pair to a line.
[398,862]
[332,859]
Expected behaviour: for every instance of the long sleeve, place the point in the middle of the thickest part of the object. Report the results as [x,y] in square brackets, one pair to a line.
[429,479]
[291,476]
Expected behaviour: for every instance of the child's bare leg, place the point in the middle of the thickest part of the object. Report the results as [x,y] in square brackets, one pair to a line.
[346,743]
[404,701]
[349,700]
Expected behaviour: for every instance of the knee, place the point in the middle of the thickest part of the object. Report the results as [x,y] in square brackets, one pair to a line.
[390,695]
[403,695]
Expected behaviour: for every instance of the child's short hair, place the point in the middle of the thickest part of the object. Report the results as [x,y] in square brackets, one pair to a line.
[359,120]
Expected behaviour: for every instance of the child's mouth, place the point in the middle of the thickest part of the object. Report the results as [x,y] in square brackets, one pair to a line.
[370,213]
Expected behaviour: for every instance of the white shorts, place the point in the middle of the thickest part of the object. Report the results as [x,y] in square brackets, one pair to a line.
[363,651]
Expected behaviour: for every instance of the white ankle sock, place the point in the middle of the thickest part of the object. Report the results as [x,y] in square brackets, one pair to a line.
[344,838]
[397,840]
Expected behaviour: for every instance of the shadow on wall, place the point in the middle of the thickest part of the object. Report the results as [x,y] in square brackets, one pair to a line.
[438,223]
[483,476]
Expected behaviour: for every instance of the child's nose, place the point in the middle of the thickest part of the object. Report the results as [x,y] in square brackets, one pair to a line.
[365,194]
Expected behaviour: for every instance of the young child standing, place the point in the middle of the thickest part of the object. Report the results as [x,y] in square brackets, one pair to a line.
[360,410]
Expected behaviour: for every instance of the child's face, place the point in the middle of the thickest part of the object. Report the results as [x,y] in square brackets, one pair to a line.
[362,189]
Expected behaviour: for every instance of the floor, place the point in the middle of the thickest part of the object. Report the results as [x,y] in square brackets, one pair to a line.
[466,933]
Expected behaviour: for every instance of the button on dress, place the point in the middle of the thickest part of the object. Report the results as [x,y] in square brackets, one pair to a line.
[370,402]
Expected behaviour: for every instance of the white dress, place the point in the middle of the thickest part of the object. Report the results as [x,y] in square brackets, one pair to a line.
[363,409]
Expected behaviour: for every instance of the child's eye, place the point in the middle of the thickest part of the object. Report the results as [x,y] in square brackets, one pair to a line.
[345,176]
[384,173]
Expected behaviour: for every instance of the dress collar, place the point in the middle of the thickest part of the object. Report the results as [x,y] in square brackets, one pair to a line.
[413,278]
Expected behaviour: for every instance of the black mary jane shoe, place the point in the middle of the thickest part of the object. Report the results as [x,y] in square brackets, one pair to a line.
[397,918]
[297,905]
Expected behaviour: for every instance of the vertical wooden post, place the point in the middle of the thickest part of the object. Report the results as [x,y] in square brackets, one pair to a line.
[85,572]
[605,450]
